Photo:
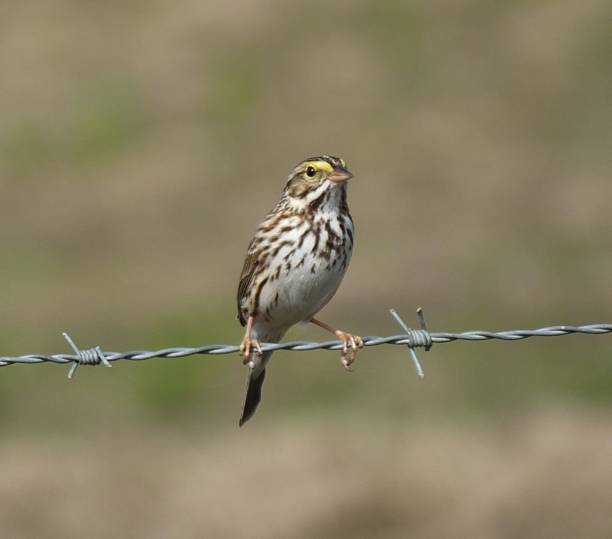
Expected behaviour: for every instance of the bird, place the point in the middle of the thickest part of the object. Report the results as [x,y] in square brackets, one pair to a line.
[294,265]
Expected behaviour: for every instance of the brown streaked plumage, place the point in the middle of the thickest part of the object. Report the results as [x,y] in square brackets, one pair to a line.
[294,265]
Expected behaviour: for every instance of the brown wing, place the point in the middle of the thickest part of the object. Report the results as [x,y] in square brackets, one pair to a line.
[255,253]
[246,278]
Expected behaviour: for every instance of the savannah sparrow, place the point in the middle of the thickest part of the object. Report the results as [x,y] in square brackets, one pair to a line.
[294,265]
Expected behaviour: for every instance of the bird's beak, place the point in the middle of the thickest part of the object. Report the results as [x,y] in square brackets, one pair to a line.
[340,175]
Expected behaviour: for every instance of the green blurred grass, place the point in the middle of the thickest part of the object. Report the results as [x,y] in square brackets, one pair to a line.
[107,118]
[135,164]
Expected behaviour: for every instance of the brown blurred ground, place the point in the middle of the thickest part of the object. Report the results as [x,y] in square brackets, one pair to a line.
[141,142]
[545,477]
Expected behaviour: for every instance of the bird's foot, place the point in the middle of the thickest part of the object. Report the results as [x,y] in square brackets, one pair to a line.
[246,346]
[350,346]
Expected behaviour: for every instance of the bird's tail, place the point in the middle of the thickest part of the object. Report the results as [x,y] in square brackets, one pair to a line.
[255,381]
[253,392]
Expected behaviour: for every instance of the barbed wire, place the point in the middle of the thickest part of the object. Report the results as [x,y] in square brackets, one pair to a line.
[412,338]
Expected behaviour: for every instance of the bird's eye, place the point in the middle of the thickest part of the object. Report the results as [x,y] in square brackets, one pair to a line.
[310,172]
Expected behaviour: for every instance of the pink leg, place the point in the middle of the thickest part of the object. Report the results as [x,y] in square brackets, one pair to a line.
[247,342]
[347,356]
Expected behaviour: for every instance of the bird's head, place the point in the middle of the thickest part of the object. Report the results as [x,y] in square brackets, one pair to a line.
[316,174]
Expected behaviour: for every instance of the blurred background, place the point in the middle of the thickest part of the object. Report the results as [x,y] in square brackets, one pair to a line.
[140,145]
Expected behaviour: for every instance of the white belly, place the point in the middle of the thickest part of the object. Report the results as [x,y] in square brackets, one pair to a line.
[305,282]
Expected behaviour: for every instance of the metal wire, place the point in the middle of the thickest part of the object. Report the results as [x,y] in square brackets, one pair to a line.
[413,338]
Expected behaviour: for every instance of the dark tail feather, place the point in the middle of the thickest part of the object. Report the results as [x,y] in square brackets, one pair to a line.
[253,396]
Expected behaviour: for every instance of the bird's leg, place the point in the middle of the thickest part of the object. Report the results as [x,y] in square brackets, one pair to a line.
[247,342]
[350,343]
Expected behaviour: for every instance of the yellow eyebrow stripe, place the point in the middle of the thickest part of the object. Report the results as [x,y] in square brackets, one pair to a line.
[319,165]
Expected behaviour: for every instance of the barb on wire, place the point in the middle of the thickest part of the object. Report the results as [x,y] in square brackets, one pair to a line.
[92,356]
[413,338]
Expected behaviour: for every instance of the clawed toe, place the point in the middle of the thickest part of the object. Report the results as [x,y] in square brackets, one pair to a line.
[246,348]
[350,346]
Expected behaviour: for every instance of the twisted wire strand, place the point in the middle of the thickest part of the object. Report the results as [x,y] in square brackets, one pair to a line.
[414,339]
